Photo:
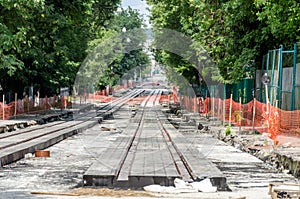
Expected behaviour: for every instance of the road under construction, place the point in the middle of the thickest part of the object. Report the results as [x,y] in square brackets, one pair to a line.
[129,143]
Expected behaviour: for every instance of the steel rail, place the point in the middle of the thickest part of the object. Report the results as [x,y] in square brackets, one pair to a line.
[41,127]
[122,172]
[117,103]
[182,167]
[124,99]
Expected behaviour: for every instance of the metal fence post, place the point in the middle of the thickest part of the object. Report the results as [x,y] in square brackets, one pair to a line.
[280,76]
[294,77]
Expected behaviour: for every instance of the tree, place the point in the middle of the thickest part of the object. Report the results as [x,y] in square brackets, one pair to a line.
[282,21]
[14,26]
[235,33]
[118,51]
[43,42]
[168,15]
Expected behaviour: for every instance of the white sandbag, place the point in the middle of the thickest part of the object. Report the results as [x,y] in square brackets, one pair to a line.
[181,184]
[159,189]
[183,187]
[172,190]
[204,186]
[180,187]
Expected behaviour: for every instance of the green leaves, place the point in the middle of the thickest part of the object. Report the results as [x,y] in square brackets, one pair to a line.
[114,51]
[43,42]
[10,64]
[10,43]
[282,19]
[233,32]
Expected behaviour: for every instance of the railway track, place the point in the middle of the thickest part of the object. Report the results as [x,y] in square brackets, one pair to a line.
[14,145]
[148,153]
[246,175]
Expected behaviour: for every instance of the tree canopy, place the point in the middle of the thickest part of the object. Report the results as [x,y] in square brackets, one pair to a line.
[43,42]
[121,48]
[235,33]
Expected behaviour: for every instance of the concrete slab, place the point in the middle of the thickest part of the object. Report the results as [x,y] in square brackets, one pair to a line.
[12,125]
[14,153]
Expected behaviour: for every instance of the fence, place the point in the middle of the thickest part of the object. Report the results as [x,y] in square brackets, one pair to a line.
[252,115]
[241,91]
[283,68]
[31,106]
[37,105]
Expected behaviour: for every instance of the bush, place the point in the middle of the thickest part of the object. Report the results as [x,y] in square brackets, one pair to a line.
[227,130]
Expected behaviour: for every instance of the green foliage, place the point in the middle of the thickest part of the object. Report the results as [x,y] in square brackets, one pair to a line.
[234,33]
[227,130]
[119,51]
[282,19]
[167,15]
[128,18]
[102,12]
[43,42]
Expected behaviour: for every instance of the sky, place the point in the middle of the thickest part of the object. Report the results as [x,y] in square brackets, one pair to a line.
[140,5]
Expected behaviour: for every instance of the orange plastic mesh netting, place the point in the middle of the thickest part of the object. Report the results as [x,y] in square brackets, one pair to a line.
[264,118]
[27,106]
[101,98]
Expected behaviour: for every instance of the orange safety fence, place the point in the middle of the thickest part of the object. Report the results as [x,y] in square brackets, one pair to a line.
[254,114]
[101,98]
[191,104]
[175,95]
[31,106]
[165,98]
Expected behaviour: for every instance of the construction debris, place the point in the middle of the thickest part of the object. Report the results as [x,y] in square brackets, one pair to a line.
[183,187]
[204,186]
[54,193]
[107,129]
[284,190]
[42,153]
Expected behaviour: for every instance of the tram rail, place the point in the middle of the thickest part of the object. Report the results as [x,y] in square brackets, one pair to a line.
[147,154]
[11,142]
